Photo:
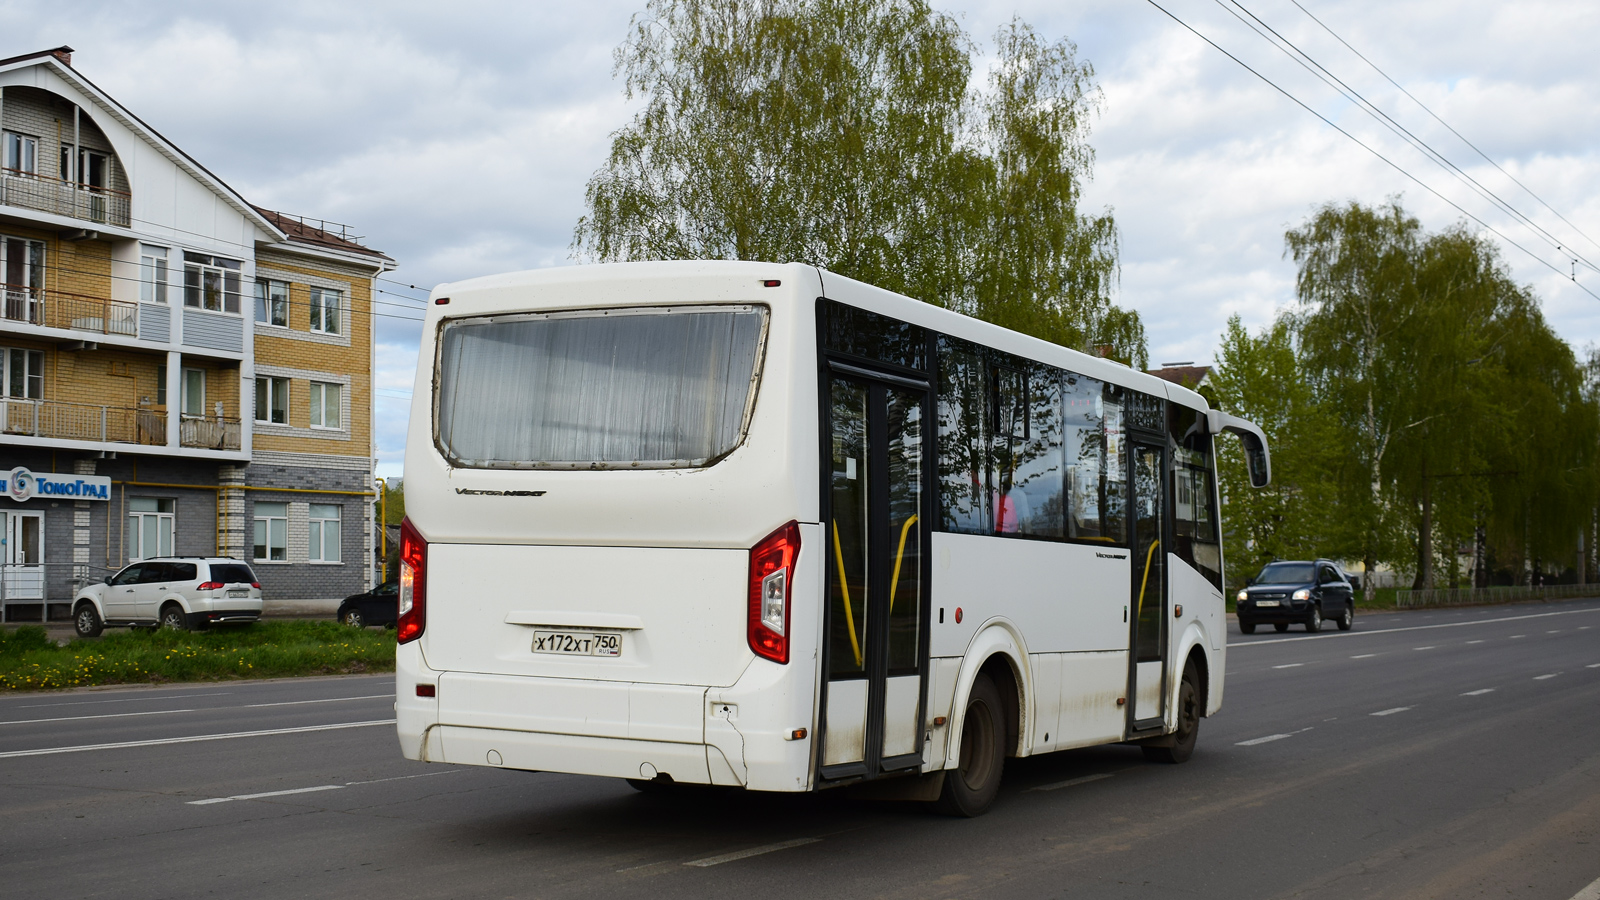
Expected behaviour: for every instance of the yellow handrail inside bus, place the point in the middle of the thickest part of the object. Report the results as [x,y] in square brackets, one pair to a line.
[1145,581]
[899,555]
[844,585]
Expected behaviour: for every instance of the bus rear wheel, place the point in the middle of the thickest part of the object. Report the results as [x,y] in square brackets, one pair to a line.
[970,789]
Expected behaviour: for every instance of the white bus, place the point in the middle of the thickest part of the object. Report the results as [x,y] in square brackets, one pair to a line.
[761,525]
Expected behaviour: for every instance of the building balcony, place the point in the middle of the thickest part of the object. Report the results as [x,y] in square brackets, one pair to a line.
[109,428]
[74,312]
[42,193]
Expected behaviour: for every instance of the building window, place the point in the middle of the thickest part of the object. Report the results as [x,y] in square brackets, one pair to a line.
[194,392]
[24,373]
[22,271]
[22,154]
[324,532]
[272,302]
[272,530]
[272,400]
[151,526]
[325,405]
[211,282]
[325,315]
[152,274]
[161,385]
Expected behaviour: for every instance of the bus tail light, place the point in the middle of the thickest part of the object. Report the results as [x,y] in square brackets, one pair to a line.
[413,584]
[771,575]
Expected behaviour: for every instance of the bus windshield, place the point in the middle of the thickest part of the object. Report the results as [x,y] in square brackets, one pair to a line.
[1287,573]
[629,388]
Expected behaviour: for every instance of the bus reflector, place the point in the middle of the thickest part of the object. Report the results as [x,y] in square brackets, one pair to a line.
[413,584]
[425,690]
[771,574]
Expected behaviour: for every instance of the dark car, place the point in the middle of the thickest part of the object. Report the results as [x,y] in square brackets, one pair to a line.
[1307,592]
[379,606]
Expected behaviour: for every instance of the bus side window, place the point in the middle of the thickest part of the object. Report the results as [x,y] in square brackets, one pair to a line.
[1039,474]
[964,490]
[1194,495]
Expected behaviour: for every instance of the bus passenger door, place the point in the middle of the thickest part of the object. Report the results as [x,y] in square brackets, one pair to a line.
[1148,639]
[876,616]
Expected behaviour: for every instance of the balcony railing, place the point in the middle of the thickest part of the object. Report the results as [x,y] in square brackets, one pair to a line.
[52,195]
[60,309]
[82,422]
[210,432]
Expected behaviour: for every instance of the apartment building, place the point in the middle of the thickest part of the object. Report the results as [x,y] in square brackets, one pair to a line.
[181,372]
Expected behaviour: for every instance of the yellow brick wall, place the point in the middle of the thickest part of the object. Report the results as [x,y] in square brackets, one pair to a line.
[354,360]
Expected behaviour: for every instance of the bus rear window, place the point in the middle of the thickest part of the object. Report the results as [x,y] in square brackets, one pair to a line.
[625,388]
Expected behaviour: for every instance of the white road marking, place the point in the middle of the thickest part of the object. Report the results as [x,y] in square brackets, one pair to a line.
[1390,712]
[1474,642]
[388,696]
[1583,627]
[154,712]
[50,751]
[1554,631]
[127,699]
[1269,738]
[1478,692]
[1430,647]
[309,790]
[1543,677]
[1364,656]
[1071,781]
[1592,892]
[1349,634]
[1593,666]
[753,851]
[402,777]
[1515,636]
[1288,666]
[168,712]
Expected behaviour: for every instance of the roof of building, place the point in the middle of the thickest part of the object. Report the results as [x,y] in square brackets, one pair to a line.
[318,233]
[1188,376]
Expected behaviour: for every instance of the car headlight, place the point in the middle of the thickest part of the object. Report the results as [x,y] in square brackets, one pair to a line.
[1302,594]
[1243,596]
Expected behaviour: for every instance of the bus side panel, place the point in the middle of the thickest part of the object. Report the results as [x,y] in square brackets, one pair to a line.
[1204,608]
[1091,685]
[1064,597]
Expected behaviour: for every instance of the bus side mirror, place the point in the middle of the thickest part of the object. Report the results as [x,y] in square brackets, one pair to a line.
[1257,459]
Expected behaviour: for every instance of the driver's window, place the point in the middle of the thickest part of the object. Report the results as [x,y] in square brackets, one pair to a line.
[130,575]
[1328,577]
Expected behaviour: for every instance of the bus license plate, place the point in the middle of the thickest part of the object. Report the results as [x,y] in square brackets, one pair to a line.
[578,643]
[1266,603]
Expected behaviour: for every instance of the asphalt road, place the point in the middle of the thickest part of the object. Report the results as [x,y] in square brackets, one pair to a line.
[1431,754]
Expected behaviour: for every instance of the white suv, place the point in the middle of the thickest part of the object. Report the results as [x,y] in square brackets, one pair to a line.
[179,592]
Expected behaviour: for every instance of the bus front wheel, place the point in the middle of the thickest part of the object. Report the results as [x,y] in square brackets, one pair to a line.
[970,789]
[1183,740]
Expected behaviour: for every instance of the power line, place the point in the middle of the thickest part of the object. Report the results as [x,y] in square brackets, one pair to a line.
[63,270]
[1298,102]
[1383,118]
[1436,118]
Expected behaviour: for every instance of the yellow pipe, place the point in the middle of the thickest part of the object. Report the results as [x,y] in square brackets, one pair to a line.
[844,585]
[1143,583]
[899,555]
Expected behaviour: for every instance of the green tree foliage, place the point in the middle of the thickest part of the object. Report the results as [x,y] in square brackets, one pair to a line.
[845,133]
[1419,406]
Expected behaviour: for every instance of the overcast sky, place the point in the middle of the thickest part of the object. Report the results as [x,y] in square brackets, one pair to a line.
[457,137]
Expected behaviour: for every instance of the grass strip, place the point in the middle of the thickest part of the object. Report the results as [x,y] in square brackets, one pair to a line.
[30,661]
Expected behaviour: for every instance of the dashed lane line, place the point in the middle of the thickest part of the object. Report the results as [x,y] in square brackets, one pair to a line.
[1429,647]
[1390,712]
[146,698]
[1071,782]
[1474,642]
[752,851]
[121,745]
[1289,666]
[1478,692]
[1269,738]
[1593,666]
[1364,656]
[312,790]
[168,712]
[1515,636]
[1545,677]
[1350,634]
